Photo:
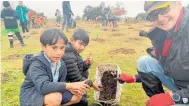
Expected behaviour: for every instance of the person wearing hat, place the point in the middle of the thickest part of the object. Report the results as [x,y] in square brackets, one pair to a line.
[168,63]
[10,18]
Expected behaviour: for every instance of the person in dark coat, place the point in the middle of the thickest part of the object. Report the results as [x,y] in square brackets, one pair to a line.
[67,13]
[76,66]
[168,63]
[45,75]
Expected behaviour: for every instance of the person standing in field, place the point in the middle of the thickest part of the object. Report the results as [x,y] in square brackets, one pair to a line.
[10,18]
[67,12]
[22,11]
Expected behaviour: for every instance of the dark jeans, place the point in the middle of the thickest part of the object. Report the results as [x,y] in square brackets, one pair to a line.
[66,21]
[83,102]
[24,27]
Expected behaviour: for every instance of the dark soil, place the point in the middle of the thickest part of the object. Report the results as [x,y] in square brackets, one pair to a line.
[4,77]
[135,39]
[13,57]
[34,33]
[117,34]
[109,85]
[123,51]
[130,28]
[98,40]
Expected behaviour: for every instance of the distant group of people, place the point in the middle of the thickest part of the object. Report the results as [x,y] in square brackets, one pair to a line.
[108,19]
[36,20]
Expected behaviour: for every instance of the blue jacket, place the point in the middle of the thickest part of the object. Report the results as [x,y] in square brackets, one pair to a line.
[22,11]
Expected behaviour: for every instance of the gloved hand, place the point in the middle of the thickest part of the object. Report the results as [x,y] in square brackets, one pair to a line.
[126,78]
[162,99]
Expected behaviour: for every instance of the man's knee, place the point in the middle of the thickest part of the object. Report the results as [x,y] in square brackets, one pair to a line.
[147,64]
[53,99]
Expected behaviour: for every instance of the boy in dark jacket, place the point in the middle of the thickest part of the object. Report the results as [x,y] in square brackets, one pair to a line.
[45,75]
[77,68]
[10,18]
[169,62]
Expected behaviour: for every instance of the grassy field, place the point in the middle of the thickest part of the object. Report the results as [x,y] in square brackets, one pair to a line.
[122,47]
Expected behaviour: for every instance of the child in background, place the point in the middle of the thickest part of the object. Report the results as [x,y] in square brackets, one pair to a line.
[10,18]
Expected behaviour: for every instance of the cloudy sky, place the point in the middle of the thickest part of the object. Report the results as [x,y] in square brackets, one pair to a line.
[49,7]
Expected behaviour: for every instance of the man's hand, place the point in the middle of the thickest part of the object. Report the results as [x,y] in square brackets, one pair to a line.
[126,78]
[88,60]
[97,86]
[162,99]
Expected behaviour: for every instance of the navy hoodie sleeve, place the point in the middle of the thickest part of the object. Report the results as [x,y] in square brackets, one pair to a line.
[41,80]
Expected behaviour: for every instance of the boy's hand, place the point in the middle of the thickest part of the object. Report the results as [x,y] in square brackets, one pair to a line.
[97,86]
[89,59]
[89,82]
[75,99]
[81,86]
[76,92]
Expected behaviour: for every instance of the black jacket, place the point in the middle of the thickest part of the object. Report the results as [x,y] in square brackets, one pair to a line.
[66,8]
[10,18]
[77,70]
[38,80]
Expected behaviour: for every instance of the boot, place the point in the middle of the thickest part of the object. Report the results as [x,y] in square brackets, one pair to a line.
[151,84]
[20,38]
[11,43]
[22,44]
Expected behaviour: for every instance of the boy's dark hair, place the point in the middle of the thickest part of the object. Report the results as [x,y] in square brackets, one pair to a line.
[51,36]
[6,3]
[81,34]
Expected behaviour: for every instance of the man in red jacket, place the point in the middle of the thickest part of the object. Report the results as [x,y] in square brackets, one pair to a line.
[168,63]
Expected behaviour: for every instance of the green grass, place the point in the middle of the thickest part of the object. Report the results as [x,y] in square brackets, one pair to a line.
[132,94]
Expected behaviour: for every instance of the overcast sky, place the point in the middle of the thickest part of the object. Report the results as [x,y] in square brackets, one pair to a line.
[49,7]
